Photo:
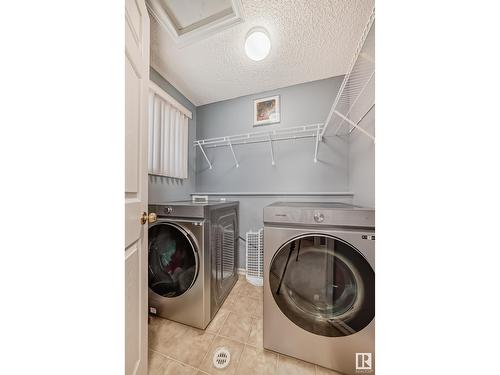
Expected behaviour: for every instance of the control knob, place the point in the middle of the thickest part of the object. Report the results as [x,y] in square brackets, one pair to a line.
[319,217]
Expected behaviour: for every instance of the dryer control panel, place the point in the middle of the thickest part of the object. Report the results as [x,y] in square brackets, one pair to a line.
[319,213]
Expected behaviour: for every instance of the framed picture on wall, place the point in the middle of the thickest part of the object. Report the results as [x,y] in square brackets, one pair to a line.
[266,111]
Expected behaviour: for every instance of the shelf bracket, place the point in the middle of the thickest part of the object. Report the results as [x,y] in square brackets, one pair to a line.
[355,125]
[234,156]
[362,117]
[352,105]
[272,150]
[205,155]
[316,148]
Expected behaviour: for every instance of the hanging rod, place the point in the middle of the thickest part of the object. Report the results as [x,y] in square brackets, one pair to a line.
[247,142]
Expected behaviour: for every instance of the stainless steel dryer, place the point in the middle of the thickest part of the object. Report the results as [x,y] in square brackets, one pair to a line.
[319,284]
[192,259]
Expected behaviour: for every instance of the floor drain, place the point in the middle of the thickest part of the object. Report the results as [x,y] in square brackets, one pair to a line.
[221,358]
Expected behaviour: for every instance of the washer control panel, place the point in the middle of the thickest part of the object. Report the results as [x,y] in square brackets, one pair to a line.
[319,213]
[168,210]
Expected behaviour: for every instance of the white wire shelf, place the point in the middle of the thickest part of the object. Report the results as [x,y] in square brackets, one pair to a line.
[355,99]
[356,96]
[268,136]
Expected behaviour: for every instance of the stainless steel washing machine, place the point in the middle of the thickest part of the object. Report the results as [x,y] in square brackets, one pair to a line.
[192,259]
[319,284]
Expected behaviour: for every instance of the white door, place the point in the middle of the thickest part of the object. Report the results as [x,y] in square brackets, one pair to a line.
[136,186]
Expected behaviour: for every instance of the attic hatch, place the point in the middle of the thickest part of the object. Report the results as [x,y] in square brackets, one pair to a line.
[193,20]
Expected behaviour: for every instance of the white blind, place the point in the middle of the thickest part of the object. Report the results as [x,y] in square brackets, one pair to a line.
[168,138]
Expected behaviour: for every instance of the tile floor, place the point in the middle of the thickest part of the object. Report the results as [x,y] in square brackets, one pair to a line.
[177,349]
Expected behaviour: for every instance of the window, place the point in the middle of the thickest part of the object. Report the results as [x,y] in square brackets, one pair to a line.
[168,135]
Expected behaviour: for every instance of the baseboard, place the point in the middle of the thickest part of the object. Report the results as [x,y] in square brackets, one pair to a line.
[241,271]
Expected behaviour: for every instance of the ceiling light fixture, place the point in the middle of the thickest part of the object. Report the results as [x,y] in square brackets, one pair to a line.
[257,44]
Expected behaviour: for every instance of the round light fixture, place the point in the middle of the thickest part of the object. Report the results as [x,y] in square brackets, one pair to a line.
[257,44]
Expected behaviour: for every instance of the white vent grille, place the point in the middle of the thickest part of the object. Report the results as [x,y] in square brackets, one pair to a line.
[228,252]
[255,257]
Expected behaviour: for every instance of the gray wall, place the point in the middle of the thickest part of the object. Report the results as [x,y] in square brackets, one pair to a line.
[294,170]
[361,147]
[362,163]
[165,188]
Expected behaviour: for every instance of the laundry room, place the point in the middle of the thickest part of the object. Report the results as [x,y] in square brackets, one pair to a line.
[249,187]
[261,144]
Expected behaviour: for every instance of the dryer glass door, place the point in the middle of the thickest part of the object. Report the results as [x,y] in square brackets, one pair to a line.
[173,260]
[324,285]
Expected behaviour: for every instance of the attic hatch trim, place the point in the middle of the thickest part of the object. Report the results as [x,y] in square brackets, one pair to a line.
[198,30]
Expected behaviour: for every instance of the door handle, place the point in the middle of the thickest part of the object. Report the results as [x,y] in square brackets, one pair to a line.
[145,218]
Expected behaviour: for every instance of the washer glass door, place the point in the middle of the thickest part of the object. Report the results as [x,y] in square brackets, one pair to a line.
[323,285]
[173,260]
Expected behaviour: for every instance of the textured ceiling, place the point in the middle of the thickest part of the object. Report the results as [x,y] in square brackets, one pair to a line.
[310,40]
